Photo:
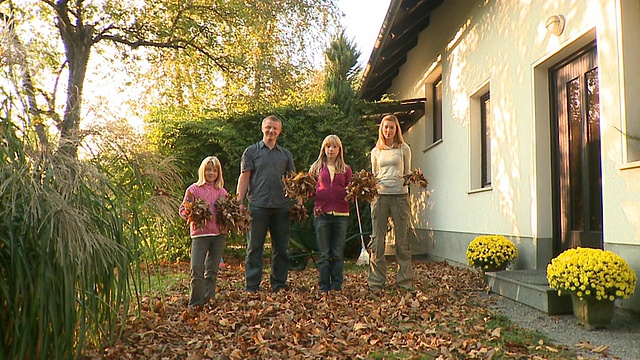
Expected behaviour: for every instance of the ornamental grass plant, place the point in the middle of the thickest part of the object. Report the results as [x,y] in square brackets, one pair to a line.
[491,252]
[591,272]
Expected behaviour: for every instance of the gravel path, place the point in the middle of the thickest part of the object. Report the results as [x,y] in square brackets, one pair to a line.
[622,337]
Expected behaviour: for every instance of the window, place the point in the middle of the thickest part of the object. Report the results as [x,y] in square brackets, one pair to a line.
[480,139]
[437,109]
[485,140]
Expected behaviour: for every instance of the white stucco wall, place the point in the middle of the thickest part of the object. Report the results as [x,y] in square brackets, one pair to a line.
[505,44]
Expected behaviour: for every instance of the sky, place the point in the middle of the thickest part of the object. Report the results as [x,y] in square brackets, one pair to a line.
[362,21]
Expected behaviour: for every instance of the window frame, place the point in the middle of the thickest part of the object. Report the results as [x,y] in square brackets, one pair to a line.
[485,140]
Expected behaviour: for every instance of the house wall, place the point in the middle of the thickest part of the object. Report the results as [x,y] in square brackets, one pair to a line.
[504,45]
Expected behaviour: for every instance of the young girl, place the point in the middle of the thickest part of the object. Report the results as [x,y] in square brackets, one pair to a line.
[208,241]
[331,212]
[390,160]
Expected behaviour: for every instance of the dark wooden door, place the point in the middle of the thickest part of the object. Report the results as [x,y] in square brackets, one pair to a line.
[577,170]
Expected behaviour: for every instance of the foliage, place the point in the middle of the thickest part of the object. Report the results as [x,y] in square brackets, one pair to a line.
[72,233]
[342,74]
[174,132]
[491,252]
[591,272]
[251,51]
[446,317]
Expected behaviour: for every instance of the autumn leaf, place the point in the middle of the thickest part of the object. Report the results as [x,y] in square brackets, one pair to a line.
[446,316]
[198,212]
[416,177]
[363,186]
[233,215]
[299,186]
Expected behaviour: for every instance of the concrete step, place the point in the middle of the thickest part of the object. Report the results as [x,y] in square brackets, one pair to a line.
[529,287]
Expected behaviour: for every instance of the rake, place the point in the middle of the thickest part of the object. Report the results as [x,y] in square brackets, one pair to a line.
[363,259]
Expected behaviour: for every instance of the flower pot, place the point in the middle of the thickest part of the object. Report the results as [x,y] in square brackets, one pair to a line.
[494,268]
[591,312]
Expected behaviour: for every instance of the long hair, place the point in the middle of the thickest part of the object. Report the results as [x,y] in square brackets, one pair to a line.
[322,158]
[398,140]
[216,163]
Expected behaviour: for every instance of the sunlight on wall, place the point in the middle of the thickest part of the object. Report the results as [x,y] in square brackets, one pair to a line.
[505,146]
[631,210]
[458,63]
[419,205]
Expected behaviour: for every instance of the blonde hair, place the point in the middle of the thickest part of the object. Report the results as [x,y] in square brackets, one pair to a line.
[398,140]
[322,158]
[216,163]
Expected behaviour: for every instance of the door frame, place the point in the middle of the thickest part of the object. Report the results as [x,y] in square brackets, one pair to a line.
[557,245]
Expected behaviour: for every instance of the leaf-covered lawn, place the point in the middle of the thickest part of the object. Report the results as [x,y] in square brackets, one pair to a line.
[447,316]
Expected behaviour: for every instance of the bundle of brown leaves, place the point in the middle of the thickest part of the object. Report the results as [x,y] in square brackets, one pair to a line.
[363,186]
[301,185]
[416,177]
[232,215]
[298,213]
[198,212]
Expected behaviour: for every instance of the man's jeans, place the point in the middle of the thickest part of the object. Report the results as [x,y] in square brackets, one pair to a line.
[331,233]
[276,221]
[206,252]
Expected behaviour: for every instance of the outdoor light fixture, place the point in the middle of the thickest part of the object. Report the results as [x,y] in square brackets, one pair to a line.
[555,25]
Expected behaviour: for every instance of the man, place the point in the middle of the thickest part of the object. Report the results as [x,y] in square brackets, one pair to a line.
[261,170]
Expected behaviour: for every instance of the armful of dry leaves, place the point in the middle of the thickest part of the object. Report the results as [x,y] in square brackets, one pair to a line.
[232,215]
[416,177]
[300,185]
[198,212]
[298,212]
[363,186]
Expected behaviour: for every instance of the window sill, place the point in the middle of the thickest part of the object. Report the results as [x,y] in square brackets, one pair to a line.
[475,191]
[432,146]
[630,165]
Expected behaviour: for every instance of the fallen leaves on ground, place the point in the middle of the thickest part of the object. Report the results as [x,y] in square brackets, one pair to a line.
[447,316]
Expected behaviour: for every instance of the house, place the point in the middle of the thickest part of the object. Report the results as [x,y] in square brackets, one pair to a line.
[524,117]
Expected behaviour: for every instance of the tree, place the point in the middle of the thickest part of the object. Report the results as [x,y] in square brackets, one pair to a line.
[342,75]
[226,37]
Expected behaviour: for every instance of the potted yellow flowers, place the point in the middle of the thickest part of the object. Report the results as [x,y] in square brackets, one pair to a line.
[491,252]
[594,278]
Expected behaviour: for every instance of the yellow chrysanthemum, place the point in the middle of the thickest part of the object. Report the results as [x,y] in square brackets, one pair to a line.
[592,272]
[491,251]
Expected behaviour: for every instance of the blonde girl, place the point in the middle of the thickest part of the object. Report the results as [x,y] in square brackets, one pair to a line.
[331,212]
[208,241]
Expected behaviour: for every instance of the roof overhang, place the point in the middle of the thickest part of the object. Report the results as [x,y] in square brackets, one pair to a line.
[407,111]
[405,20]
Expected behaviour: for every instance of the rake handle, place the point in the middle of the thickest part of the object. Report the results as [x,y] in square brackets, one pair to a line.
[364,246]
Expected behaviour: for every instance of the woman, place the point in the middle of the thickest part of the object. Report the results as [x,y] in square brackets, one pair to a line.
[390,161]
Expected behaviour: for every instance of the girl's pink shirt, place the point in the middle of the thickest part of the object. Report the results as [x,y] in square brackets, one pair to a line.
[210,194]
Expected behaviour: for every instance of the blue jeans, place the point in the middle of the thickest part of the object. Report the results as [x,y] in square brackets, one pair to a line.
[276,221]
[331,233]
[206,252]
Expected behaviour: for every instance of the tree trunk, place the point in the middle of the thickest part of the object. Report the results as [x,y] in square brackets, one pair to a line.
[77,42]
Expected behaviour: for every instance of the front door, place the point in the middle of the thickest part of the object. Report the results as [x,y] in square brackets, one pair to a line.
[577,195]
